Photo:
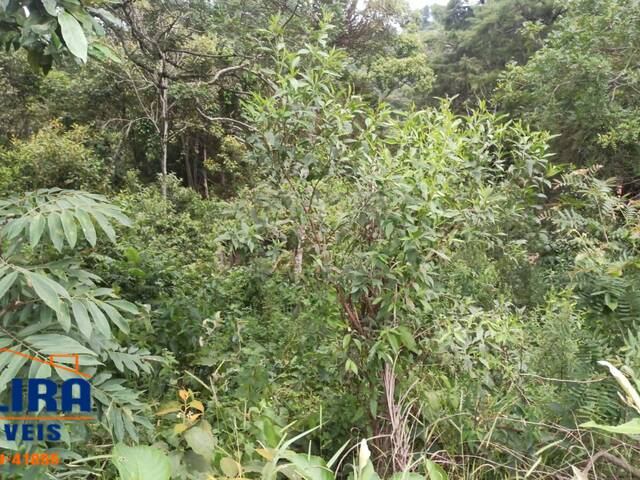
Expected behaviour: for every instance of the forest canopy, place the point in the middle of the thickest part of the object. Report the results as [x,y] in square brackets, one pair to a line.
[320,239]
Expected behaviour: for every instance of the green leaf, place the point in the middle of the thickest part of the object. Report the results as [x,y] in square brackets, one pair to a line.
[406,337]
[105,226]
[103,52]
[115,317]
[64,319]
[132,255]
[43,371]
[309,467]
[73,35]
[53,343]
[81,316]
[610,301]
[141,463]
[55,230]
[125,306]
[632,427]
[99,319]
[69,227]
[50,7]
[36,228]
[229,467]
[410,476]
[368,472]
[201,440]
[6,283]
[45,290]
[86,224]
[10,371]
[115,213]
[435,471]
[15,227]
[350,366]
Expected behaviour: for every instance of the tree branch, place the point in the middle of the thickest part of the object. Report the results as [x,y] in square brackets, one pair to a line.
[612,459]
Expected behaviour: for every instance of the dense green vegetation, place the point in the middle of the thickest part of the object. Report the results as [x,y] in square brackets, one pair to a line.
[325,239]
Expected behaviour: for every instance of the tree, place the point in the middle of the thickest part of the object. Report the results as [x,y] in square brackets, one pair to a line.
[177,57]
[362,28]
[457,14]
[400,73]
[471,45]
[582,85]
[374,206]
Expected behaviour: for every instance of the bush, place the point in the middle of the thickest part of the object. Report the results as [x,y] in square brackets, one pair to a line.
[53,157]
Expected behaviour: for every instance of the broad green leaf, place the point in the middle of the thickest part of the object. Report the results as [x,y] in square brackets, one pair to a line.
[435,471]
[55,230]
[368,472]
[230,467]
[115,213]
[15,364]
[105,226]
[69,228]
[410,476]
[101,322]
[50,7]
[5,357]
[125,306]
[406,337]
[73,35]
[36,228]
[350,366]
[81,316]
[115,316]
[44,289]
[6,283]
[610,301]
[43,371]
[632,427]
[63,316]
[86,224]
[53,343]
[103,52]
[201,440]
[15,227]
[309,467]
[170,407]
[141,463]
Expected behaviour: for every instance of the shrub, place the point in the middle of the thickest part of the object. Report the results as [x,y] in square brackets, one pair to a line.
[53,157]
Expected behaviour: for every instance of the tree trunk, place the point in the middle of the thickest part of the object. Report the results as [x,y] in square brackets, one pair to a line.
[205,181]
[187,162]
[164,126]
